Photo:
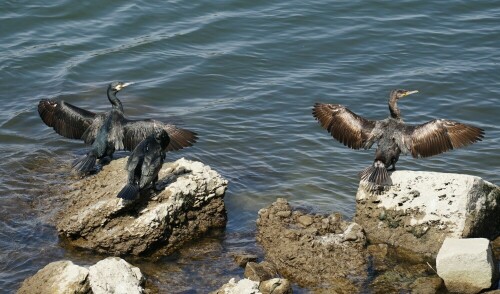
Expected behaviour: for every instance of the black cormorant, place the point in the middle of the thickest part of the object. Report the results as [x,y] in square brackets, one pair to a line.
[392,136]
[144,164]
[107,131]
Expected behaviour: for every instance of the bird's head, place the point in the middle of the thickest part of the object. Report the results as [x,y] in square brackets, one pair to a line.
[118,86]
[398,94]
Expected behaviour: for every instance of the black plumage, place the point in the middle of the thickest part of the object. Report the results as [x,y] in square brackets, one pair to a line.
[393,136]
[144,164]
[108,131]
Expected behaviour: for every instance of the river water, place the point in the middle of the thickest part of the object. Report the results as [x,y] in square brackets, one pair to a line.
[244,75]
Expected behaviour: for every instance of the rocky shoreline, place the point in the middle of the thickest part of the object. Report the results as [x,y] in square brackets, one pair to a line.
[408,238]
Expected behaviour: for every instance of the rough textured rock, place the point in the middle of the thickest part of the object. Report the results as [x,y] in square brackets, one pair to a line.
[244,286]
[115,275]
[190,204]
[314,251]
[466,265]
[58,277]
[421,209]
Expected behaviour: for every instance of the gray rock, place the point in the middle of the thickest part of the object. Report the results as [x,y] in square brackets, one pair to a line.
[421,209]
[275,286]
[466,265]
[190,204]
[58,277]
[115,275]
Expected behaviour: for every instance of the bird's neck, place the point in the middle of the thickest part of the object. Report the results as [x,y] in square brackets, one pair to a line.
[393,108]
[117,104]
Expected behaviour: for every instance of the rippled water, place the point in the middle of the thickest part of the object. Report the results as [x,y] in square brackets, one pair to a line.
[244,75]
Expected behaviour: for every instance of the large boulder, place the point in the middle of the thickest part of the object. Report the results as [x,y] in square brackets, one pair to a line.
[313,250]
[58,277]
[111,275]
[466,265]
[190,203]
[421,209]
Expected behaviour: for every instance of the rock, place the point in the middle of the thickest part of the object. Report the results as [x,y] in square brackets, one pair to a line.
[190,204]
[313,251]
[260,271]
[57,277]
[115,275]
[242,258]
[276,286]
[378,252]
[426,285]
[304,220]
[399,278]
[466,265]
[244,286]
[111,275]
[421,209]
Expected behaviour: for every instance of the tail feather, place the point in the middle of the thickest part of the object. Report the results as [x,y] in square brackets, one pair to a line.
[129,192]
[85,164]
[375,174]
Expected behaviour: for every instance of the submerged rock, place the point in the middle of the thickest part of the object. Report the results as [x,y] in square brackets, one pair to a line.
[466,265]
[242,258]
[190,204]
[421,209]
[111,275]
[313,250]
[57,277]
[260,271]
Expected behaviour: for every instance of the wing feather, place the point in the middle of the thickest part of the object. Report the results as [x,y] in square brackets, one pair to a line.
[438,136]
[344,125]
[137,130]
[66,119]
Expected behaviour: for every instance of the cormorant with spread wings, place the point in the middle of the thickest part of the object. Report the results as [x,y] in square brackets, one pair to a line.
[392,136]
[108,131]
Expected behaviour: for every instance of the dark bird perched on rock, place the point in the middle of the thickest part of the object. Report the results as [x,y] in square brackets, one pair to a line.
[392,136]
[108,131]
[144,164]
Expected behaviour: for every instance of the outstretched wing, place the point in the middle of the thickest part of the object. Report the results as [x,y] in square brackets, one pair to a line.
[347,127]
[66,119]
[134,131]
[438,136]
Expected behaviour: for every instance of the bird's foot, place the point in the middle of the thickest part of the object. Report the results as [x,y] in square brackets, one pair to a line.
[105,160]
